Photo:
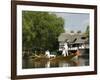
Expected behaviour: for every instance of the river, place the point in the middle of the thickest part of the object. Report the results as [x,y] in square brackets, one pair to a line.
[29,63]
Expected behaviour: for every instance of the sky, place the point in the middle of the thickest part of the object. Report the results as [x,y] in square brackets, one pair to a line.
[74,21]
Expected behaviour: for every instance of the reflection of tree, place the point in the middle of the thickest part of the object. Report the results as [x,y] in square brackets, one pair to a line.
[41,30]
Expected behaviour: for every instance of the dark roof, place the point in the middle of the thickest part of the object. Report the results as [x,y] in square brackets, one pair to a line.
[64,37]
[72,38]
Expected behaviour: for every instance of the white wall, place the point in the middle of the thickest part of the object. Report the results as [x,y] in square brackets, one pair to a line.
[5,32]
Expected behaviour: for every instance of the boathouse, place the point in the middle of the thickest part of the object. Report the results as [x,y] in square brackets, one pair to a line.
[74,40]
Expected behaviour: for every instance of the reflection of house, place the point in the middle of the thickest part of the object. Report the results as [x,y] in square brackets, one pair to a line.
[74,40]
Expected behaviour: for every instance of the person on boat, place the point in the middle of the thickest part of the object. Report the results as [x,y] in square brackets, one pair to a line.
[66,48]
[77,52]
[47,53]
[75,59]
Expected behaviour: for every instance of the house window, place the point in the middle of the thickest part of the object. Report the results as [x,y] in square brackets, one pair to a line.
[83,37]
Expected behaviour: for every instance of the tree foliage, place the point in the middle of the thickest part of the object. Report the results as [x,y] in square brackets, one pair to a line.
[41,30]
[79,31]
[71,31]
[87,31]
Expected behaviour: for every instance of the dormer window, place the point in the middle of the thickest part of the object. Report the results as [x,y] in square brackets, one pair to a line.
[83,37]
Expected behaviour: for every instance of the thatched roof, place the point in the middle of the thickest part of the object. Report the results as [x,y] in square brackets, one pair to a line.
[72,38]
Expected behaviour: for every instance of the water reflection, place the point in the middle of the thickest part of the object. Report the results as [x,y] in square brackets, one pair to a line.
[31,63]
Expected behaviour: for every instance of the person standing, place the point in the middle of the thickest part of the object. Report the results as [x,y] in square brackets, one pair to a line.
[66,48]
[47,53]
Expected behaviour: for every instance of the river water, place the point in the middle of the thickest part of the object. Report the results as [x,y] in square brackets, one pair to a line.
[29,63]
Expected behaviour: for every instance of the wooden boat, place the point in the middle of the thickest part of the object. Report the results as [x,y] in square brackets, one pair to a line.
[57,58]
[62,58]
[73,56]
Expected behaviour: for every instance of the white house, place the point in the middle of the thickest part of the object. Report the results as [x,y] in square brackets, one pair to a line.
[73,41]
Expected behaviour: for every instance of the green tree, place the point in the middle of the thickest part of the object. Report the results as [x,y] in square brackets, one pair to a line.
[41,30]
[79,31]
[87,31]
[71,31]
